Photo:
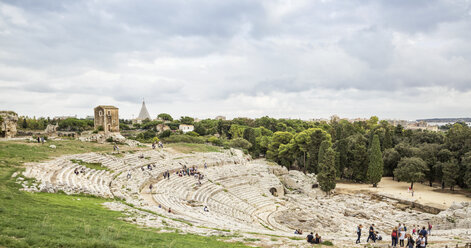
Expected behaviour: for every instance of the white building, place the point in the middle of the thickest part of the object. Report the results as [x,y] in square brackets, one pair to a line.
[186,128]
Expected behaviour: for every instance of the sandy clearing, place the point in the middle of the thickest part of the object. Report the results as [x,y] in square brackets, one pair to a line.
[423,194]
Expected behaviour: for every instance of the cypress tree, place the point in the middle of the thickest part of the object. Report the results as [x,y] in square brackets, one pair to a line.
[322,149]
[327,171]
[375,166]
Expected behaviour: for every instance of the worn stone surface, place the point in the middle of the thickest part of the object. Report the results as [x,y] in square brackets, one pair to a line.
[238,194]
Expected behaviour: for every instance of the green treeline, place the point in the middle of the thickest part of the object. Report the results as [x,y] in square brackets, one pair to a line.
[364,151]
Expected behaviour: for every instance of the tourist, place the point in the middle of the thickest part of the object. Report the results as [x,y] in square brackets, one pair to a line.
[129,175]
[317,239]
[413,231]
[169,210]
[371,234]
[160,206]
[117,148]
[42,140]
[394,237]
[76,172]
[206,209]
[410,241]
[153,145]
[421,241]
[429,229]
[205,165]
[424,234]
[402,236]
[310,238]
[358,233]
[150,188]
[378,236]
[39,140]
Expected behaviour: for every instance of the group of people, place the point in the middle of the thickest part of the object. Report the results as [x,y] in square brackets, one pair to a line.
[399,236]
[159,144]
[41,140]
[314,239]
[77,171]
[116,148]
[149,167]
[193,171]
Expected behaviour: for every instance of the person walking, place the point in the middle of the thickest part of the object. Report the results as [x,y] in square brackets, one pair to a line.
[371,234]
[358,233]
[394,237]
[429,229]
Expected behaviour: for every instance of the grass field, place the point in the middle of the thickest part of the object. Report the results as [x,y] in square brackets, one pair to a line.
[193,147]
[59,220]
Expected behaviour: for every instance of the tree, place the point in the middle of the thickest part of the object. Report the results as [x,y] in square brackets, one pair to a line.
[387,143]
[390,159]
[240,143]
[450,172]
[327,171]
[375,166]
[236,131]
[466,162]
[411,170]
[165,117]
[187,120]
[277,139]
[24,124]
[322,149]
[428,152]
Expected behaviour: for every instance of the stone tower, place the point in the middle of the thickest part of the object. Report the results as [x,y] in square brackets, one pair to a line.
[107,117]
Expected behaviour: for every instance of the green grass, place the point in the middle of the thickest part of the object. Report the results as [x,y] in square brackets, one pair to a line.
[193,147]
[96,166]
[59,220]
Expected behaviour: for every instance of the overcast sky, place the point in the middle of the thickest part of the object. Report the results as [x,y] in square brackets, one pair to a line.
[398,59]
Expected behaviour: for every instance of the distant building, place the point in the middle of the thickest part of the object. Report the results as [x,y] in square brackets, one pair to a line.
[422,125]
[63,117]
[186,128]
[143,115]
[107,117]
[89,117]
[220,117]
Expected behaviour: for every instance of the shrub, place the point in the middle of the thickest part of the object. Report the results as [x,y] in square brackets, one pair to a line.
[184,139]
[165,134]
[215,141]
[240,143]
[193,133]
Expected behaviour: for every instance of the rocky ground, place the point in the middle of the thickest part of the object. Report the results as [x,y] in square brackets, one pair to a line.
[241,198]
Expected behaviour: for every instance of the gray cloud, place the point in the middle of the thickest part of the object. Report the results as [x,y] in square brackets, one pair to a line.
[209,54]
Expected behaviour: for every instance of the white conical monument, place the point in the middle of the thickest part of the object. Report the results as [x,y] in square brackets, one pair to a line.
[143,114]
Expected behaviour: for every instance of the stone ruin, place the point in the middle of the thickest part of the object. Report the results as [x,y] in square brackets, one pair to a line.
[8,122]
[251,199]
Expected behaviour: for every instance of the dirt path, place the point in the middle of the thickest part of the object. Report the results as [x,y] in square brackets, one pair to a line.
[423,194]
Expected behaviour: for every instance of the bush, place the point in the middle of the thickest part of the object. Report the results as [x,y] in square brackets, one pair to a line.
[240,143]
[184,139]
[193,133]
[215,141]
[165,134]
[328,243]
